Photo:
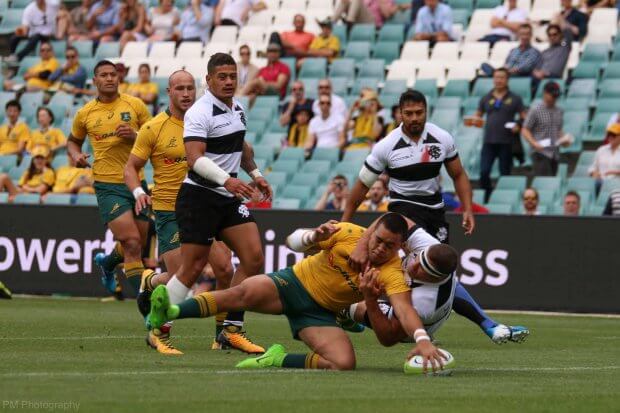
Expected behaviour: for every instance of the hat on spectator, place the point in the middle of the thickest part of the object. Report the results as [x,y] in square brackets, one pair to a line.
[614,129]
[552,88]
[368,95]
[40,151]
[325,22]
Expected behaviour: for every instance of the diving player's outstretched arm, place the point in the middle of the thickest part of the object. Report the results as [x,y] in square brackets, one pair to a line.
[304,239]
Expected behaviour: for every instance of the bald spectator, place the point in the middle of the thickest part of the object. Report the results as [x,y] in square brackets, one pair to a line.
[338,105]
[272,79]
[297,42]
[505,22]
[297,102]
[236,12]
[434,22]
[572,203]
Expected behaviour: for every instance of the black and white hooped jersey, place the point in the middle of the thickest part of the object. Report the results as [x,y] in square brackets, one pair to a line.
[223,129]
[432,301]
[413,168]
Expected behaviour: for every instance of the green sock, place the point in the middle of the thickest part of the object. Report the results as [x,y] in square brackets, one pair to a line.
[187,309]
[114,258]
[298,361]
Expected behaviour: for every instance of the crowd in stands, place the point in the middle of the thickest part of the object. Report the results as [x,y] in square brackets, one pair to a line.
[317,114]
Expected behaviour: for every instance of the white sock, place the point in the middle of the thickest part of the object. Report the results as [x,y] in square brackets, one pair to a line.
[176,290]
[352,311]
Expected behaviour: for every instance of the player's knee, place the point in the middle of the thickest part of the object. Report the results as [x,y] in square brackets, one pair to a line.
[131,244]
[342,362]
[254,262]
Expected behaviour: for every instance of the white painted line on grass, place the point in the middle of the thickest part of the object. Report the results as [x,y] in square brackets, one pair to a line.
[280,371]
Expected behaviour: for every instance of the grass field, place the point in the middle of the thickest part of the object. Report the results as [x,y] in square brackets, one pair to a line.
[93,354]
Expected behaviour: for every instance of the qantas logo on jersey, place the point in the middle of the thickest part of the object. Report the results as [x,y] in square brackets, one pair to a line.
[105,135]
[169,161]
[345,275]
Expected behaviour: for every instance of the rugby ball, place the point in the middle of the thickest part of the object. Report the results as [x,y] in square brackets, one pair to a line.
[414,365]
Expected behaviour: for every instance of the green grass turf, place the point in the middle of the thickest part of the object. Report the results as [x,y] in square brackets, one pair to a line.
[93,353]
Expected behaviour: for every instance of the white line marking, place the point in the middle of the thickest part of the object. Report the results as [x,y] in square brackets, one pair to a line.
[280,371]
[89,338]
[555,314]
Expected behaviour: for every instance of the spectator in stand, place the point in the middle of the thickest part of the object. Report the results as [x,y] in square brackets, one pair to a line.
[46,136]
[38,24]
[72,24]
[573,23]
[542,129]
[325,128]
[325,44]
[396,120]
[501,107]
[103,18]
[236,12]
[530,202]
[71,76]
[606,164]
[196,22]
[434,22]
[366,126]
[162,21]
[37,179]
[506,22]
[335,196]
[376,198]
[590,5]
[366,11]
[73,180]
[572,204]
[246,71]
[37,77]
[14,134]
[272,79]
[338,105]
[298,132]
[523,59]
[122,70]
[132,22]
[415,7]
[144,89]
[297,42]
[553,59]
[298,101]
[612,208]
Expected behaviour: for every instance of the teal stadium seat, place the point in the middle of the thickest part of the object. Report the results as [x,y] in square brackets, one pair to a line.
[372,68]
[446,118]
[582,88]
[326,154]
[320,167]
[587,70]
[551,183]
[612,71]
[27,199]
[58,199]
[456,88]
[301,192]
[595,52]
[84,48]
[311,86]
[522,86]
[260,114]
[7,162]
[277,178]
[4,197]
[609,88]
[86,200]
[340,85]
[289,166]
[461,16]
[313,67]
[290,153]
[599,126]
[340,31]
[505,196]
[518,183]
[428,87]
[19,4]
[11,19]
[306,178]
[362,33]
[448,102]
[579,104]
[364,82]
[488,4]
[482,86]
[392,33]
[107,50]
[394,87]
[342,68]
[357,51]
[495,208]
[286,203]
[387,52]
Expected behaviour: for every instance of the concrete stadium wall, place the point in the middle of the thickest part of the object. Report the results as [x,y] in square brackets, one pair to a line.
[511,262]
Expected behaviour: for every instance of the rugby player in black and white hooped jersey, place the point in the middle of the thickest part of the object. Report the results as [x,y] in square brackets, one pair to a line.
[412,156]
[209,202]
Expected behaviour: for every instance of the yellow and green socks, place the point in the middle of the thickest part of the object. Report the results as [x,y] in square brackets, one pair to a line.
[114,258]
[199,306]
[133,272]
[298,361]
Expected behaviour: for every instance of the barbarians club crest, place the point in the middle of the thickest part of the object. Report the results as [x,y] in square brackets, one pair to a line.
[434,151]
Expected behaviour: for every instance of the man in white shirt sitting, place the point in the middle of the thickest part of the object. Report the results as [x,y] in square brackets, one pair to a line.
[38,24]
[338,105]
[325,128]
[606,163]
[505,22]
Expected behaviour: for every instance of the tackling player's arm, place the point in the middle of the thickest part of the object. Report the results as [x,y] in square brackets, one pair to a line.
[248,165]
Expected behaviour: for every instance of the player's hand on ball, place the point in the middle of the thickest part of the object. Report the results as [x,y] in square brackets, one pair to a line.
[369,284]
[325,231]
[81,160]
[263,186]
[142,202]
[430,354]
[238,188]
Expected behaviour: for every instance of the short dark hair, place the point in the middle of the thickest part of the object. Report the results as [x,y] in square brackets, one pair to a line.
[395,223]
[573,193]
[554,26]
[72,48]
[502,69]
[220,59]
[144,65]
[14,103]
[394,109]
[49,112]
[444,258]
[339,176]
[412,96]
[526,26]
[244,46]
[102,63]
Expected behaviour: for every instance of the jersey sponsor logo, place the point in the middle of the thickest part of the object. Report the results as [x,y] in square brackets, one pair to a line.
[345,275]
[243,211]
[125,116]
[170,161]
[103,136]
[222,125]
